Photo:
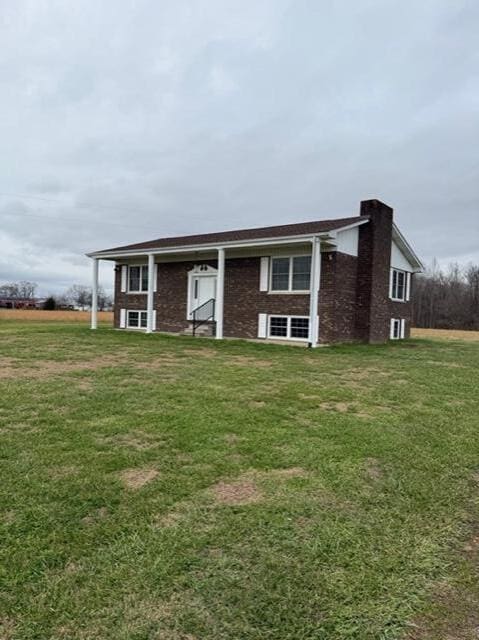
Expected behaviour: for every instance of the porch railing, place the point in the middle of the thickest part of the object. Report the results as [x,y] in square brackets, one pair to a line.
[202,314]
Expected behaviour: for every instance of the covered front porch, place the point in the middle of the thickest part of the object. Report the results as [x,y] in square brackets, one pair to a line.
[204,297]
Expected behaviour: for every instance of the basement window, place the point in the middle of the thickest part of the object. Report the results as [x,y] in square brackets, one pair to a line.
[288,327]
[398,285]
[136,319]
[290,274]
[138,279]
[397,328]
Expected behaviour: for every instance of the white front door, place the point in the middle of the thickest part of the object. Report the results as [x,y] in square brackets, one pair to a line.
[203,289]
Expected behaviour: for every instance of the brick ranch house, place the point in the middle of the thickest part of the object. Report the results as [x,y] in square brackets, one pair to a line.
[342,280]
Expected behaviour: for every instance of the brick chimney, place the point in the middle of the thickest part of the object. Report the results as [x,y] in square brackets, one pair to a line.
[374,261]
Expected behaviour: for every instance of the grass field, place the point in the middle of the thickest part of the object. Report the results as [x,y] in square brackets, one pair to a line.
[38,315]
[164,488]
[446,334]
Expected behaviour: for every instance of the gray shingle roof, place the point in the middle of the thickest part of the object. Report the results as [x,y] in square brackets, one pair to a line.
[284,230]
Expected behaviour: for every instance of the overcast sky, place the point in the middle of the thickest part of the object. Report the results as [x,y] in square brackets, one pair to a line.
[122,121]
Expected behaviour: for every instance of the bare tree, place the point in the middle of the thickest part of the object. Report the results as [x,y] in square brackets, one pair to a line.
[27,289]
[23,289]
[447,299]
[9,290]
[104,300]
[79,295]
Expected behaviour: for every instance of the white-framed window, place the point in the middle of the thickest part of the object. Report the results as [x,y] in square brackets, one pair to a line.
[136,319]
[288,327]
[138,278]
[397,328]
[291,273]
[398,285]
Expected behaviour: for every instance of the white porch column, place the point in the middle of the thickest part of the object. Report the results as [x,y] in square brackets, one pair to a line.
[314,291]
[220,290]
[150,294]
[94,294]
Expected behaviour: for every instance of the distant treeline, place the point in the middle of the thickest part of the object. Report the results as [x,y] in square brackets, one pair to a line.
[447,299]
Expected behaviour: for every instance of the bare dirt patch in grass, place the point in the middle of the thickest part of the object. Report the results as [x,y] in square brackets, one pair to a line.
[84,385]
[95,516]
[304,421]
[232,438]
[202,352]
[72,567]
[249,361]
[167,520]
[245,490]
[184,458]
[8,517]
[184,511]
[63,471]
[163,361]
[373,469]
[238,492]
[9,367]
[15,369]
[290,472]
[256,404]
[339,407]
[7,629]
[303,523]
[352,409]
[137,478]
[449,365]
[357,377]
[138,440]
[306,396]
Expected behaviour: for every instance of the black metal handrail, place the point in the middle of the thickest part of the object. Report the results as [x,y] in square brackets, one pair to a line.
[203,313]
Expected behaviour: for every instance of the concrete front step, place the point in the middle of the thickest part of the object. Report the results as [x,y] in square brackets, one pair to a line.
[205,330]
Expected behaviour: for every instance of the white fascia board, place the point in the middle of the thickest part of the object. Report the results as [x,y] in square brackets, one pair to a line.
[349,226]
[407,249]
[209,246]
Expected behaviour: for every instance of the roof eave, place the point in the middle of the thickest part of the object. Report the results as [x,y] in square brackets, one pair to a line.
[111,254]
[407,250]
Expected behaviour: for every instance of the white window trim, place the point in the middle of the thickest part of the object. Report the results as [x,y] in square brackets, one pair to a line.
[139,327]
[391,285]
[288,328]
[402,328]
[128,290]
[123,278]
[289,290]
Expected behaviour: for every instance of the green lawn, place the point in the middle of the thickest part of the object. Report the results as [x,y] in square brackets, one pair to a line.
[164,488]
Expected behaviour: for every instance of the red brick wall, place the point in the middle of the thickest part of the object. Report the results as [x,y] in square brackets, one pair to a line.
[243,300]
[374,260]
[354,299]
[337,298]
[170,299]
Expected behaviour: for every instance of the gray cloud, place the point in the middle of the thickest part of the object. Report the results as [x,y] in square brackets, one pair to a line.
[126,121]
